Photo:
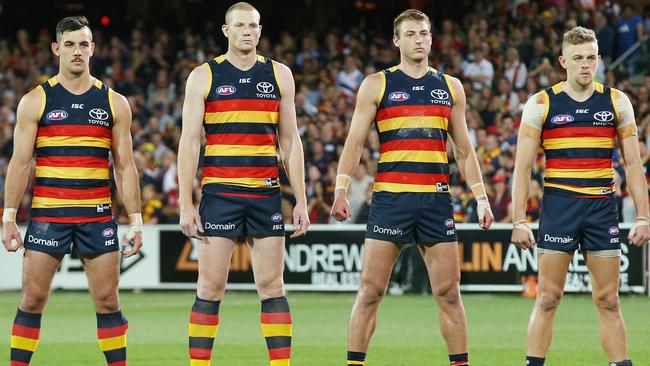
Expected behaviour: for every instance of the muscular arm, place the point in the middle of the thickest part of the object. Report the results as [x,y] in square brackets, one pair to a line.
[126,174]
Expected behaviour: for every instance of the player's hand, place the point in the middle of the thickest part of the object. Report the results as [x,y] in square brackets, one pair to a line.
[133,241]
[190,222]
[485,217]
[341,208]
[639,233]
[522,236]
[9,234]
[300,220]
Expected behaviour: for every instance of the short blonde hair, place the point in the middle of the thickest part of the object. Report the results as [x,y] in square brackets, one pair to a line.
[244,6]
[578,35]
[410,14]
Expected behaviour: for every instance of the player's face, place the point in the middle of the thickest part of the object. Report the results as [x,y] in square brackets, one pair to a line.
[414,40]
[243,30]
[580,62]
[74,50]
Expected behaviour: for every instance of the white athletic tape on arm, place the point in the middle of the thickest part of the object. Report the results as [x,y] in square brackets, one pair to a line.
[9,214]
[342,182]
[135,227]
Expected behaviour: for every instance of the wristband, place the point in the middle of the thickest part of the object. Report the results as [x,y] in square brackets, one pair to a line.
[9,214]
[342,182]
[478,189]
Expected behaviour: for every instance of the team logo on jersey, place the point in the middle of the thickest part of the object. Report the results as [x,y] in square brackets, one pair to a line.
[265,87]
[108,232]
[226,90]
[276,217]
[57,115]
[449,223]
[613,230]
[98,113]
[604,116]
[562,119]
[439,94]
[399,96]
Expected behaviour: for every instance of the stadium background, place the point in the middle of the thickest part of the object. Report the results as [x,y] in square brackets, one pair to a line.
[146,49]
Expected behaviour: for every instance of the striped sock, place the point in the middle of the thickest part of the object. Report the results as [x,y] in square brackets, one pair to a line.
[356,358]
[111,332]
[277,327]
[24,337]
[535,361]
[204,324]
[460,359]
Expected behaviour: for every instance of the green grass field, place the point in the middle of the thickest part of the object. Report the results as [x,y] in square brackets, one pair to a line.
[407,330]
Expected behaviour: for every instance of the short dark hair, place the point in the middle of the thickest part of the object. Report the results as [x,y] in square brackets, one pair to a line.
[70,24]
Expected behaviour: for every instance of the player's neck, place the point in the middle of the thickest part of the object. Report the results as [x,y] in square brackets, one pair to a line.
[241,60]
[414,69]
[75,84]
[576,91]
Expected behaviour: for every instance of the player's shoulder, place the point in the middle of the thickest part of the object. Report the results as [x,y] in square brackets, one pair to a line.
[618,94]
[541,97]
[34,97]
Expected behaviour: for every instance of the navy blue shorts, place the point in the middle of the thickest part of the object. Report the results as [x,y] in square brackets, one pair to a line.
[234,212]
[88,239]
[569,223]
[403,218]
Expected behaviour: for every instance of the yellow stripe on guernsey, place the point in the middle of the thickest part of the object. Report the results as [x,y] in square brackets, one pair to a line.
[240,150]
[194,362]
[276,330]
[400,187]
[46,202]
[27,344]
[242,116]
[412,122]
[586,190]
[414,156]
[205,331]
[580,173]
[282,362]
[49,141]
[71,173]
[109,344]
[575,142]
[355,363]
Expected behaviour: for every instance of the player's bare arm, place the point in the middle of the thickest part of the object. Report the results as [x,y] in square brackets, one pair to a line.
[291,149]
[528,142]
[126,174]
[362,119]
[634,174]
[20,165]
[189,147]
[465,155]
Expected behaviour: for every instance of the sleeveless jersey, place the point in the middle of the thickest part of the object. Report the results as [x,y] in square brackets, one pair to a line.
[412,120]
[72,155]
[240,122]
[578,140]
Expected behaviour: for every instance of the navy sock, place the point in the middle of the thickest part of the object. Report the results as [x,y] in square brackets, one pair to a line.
[535,361]
[356,358]
[621,363]
[460,359]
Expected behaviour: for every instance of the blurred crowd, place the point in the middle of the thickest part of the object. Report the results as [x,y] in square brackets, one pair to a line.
[502,51]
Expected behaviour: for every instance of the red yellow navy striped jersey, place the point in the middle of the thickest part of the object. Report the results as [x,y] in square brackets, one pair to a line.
[578,140]
[412,120]
[240,122]
[72,155]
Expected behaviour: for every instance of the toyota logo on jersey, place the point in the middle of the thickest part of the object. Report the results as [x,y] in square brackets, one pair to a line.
[98,113]
[604,116]
[265,87]
[439,94]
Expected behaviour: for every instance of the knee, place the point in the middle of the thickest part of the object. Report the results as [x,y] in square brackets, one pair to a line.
[549,301]
[270,288]
[448,294]
[33,301]
[370,294]
[107,302]
[210,290]
[608,302]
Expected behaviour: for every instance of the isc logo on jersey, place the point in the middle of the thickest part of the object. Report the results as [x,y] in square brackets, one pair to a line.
[562,119]
[399,96]
[57,115]
[226,90]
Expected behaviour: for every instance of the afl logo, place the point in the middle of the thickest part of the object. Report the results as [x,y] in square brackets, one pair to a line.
[561,119]
[265,87]
[98,113]
[277,217]
[449,223]
[57,115]
[109,232]
[604,116]
[613,230]
[226,90]
[399,96]
[439,94]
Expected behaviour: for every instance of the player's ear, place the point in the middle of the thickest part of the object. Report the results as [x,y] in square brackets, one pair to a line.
[224,29]
[92,48]
[396,41]
[562,61]
[55,48]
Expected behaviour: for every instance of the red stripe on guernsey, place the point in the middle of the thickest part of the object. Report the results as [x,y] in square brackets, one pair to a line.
[279,353]
[276,318]
[74,130]
[72,193]
[242,105]
[18,363]
[413,111]
[459,363]
[26,332]
[200,353]
[411,178]
[117,363]
[73,161]
[414,144]
[72,219]
[244,195]
[204,319]
[111,332]
[239,172]
[241,139]
[579,132]
[578,163]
